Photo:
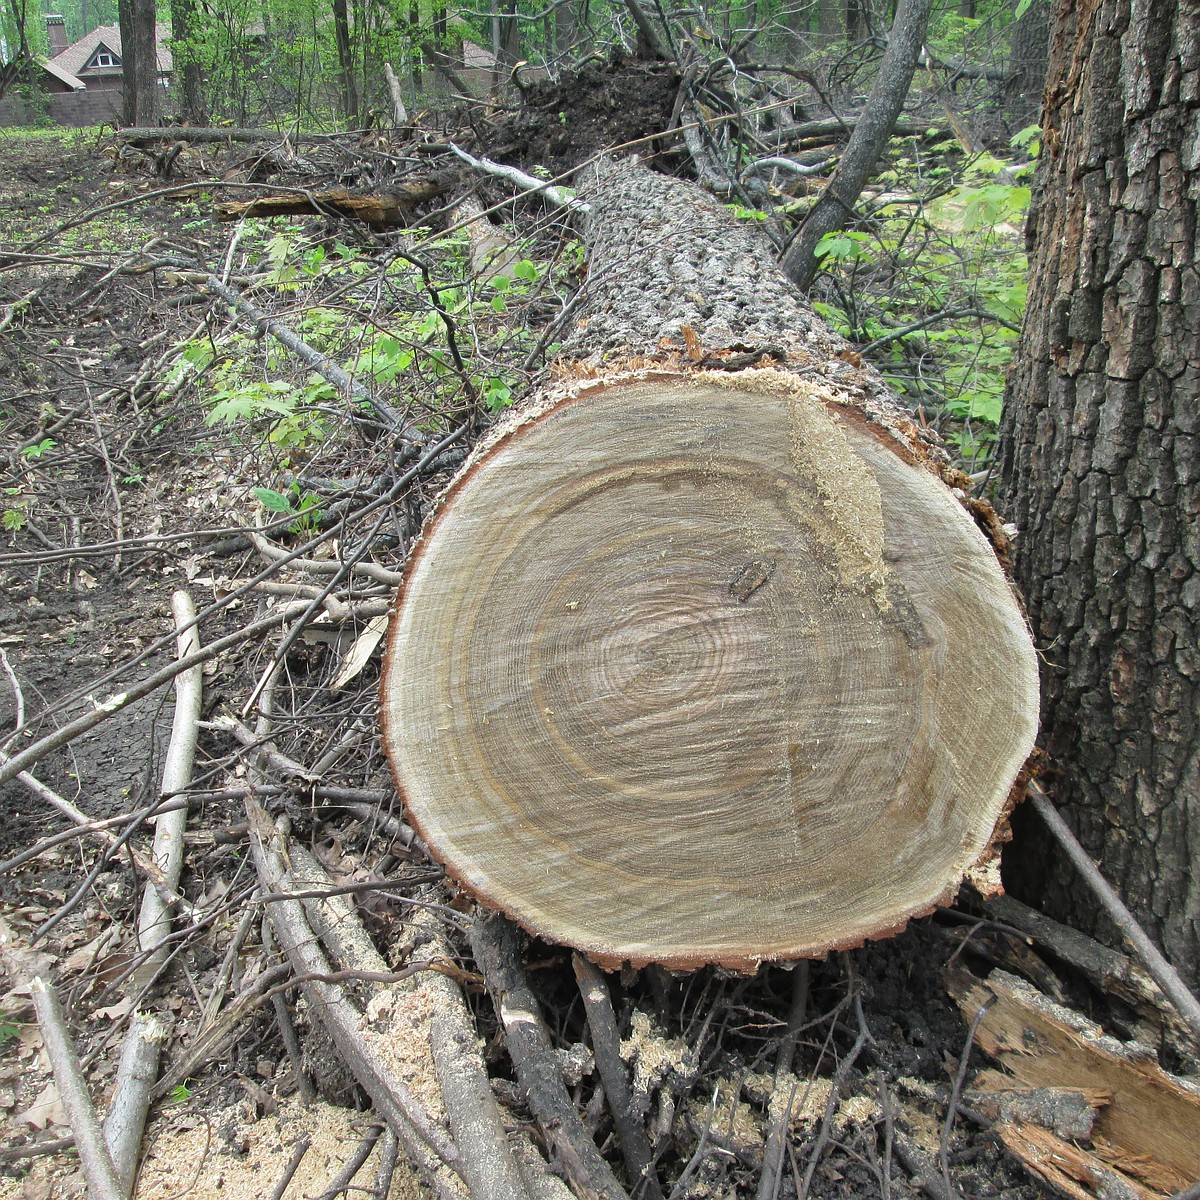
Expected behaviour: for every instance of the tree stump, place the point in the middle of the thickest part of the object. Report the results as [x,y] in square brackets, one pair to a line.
[702,659]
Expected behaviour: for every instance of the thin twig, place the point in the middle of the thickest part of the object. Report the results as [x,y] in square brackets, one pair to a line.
[839,1080]
[387,1165]
[1164,974]
[772,1168]
[12,766]
[344,1021]
[287,1031]
[955,1092]
[293,1165]
[342,1180]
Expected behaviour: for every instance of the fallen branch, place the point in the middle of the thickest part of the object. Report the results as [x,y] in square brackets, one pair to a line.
[563,197]
[321,363]
[138,1068]
[135,134]
[488,1165]
[606,1046]
[494,942]
[344,1020]
[382,210]
[231,1023]
[772,1168]
[102,1180]
[86,826]
[1164,974]
[1108,969]
[12,765]
[332,566]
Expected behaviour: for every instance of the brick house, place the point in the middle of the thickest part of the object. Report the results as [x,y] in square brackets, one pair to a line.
[84,81]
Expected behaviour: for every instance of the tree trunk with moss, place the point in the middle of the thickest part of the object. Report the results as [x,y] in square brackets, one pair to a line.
[1101,461]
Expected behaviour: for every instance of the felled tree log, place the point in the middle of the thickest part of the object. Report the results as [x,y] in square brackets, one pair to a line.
[702,659]
[141,135]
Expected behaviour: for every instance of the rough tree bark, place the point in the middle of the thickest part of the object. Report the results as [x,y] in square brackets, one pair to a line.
[701,660]
[1101,459]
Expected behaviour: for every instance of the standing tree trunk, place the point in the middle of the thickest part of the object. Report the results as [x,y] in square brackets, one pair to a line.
[701,660]
[510,33]
[1027,65]
[831,18]
[184,39]
[871,132]
[566,27]
[348,91]
[1101,460]
[142,97]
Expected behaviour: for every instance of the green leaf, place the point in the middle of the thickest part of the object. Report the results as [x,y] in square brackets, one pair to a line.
[527,271]
[1025,137]
[274,501]
[987,406]
[199,354]
[842,246]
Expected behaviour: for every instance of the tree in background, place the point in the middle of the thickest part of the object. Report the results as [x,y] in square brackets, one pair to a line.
[1101,459]
[1027,61]
[139,59]
[186,28]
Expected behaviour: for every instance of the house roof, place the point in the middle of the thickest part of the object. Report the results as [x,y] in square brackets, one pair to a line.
[477,56]
[72,81]
[75,57]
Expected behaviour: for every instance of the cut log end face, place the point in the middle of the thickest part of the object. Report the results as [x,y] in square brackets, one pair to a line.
[690,673]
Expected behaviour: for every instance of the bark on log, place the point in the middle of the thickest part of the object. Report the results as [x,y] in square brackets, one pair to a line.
[698,664]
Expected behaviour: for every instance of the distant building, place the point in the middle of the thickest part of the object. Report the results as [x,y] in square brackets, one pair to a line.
[83,82]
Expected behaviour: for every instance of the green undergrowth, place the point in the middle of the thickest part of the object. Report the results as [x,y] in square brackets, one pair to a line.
[933,286]
[413,325]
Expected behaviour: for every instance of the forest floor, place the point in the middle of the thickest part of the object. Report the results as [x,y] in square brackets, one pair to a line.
[121,489]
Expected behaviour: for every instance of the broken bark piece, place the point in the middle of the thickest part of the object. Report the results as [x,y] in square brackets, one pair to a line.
[698,666]
[1068,1169]
[1114,973]
[1150,1129]
[386,210]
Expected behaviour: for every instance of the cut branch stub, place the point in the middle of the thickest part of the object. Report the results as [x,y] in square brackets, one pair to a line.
[694,669]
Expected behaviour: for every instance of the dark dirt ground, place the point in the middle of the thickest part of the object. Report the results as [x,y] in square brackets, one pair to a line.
[130,467]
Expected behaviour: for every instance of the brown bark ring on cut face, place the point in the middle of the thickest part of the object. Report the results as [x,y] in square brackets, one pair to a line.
[695,669]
